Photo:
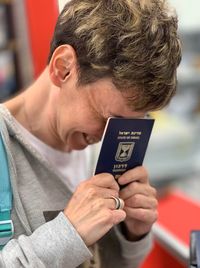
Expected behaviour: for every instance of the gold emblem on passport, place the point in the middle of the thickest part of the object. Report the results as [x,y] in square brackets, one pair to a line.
[124,151]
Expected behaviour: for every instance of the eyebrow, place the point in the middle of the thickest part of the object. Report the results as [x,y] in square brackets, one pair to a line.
[146,116]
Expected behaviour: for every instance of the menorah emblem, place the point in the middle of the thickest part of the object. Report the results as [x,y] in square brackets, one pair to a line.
[124,151]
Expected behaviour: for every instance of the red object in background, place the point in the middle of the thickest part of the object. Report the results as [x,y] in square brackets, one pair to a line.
[160,258]
[179,215]
[41,18]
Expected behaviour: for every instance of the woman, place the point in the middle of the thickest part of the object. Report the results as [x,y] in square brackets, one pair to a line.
[107,58]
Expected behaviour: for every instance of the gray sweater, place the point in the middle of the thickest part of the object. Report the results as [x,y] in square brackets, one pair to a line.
[38,189]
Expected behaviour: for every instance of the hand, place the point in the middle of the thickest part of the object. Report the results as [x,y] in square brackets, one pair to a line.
[91,210]
[140,202]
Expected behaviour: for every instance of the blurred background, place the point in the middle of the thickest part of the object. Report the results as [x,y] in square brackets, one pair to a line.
[173,155]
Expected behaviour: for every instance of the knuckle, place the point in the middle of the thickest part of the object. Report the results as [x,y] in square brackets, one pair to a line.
[118,218]
[134,200]
[111,181]
[100,204]
[155,215]
[108,176]
[114,193]
[108,215]
[133,187]
[154,191]
[97,205]
[145,172]
[142,214]
[116,185]
[155,203]
[91,192]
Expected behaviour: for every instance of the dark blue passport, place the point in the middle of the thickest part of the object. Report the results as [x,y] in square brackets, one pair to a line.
[124,144]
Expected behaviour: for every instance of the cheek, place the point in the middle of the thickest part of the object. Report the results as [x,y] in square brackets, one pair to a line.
[95,127]
[89,119]
[80,119]
[76,141]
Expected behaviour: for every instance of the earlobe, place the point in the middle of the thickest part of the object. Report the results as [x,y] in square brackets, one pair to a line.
[62,63]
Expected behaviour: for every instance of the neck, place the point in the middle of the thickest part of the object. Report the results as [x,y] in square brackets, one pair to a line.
[33,109]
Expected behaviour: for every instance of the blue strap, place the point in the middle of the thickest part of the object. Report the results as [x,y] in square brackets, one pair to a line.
[6,225]
[5,187]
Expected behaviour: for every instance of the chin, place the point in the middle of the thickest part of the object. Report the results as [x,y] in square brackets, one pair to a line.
[77,147]
[80,148]
[76,141]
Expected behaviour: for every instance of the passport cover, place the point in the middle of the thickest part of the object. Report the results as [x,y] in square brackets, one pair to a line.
[123,145]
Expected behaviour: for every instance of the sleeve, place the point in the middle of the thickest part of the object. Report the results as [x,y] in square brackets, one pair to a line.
[55,244]
[134,253]
[116,251]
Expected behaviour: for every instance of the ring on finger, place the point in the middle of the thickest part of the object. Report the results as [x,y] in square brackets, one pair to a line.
[119,203]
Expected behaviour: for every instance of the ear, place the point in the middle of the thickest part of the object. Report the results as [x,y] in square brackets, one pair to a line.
[63,62]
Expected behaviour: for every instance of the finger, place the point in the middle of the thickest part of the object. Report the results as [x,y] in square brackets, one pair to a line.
[101,192]
[105,180]
[119,203]
[111,202]
[136,174]
[102,203]
[137,188]
[98,202]
[109,211]
[119,215]
[143,215]
[141,201]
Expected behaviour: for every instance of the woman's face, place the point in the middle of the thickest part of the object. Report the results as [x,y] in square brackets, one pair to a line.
[82,111]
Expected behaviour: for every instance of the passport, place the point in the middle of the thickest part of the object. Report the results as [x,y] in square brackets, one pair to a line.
[124,145]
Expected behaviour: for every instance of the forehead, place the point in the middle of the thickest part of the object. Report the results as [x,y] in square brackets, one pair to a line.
[107,100]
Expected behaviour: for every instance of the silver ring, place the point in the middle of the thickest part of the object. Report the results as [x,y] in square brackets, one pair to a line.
[119,203]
